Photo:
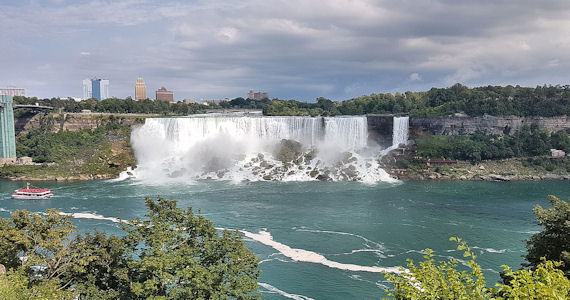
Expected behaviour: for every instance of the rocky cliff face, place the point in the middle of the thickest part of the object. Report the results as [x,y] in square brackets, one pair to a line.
[380,129]
[458,125]
[75,121]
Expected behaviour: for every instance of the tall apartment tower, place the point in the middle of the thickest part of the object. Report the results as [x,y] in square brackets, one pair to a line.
[7,134]
[96,88]
[140,89]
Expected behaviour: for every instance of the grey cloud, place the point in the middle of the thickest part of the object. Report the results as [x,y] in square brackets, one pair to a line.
[295,48]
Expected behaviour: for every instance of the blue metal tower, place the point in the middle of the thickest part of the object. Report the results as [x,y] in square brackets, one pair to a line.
[7,135]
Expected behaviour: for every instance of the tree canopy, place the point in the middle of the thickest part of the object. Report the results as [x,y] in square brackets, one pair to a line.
[444,280]
[553,242]
[547,278]
[528,142]
[171,253]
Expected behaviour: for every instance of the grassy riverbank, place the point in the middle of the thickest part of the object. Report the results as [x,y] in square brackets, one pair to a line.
[73,155]
[408,167]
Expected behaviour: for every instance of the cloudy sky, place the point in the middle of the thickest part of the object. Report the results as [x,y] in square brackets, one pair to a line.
[293,49]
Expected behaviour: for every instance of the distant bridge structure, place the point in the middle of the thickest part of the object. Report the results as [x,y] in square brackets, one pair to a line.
[7,132]
[33,107]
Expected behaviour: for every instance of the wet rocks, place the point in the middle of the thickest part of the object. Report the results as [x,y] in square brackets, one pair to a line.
[288,150]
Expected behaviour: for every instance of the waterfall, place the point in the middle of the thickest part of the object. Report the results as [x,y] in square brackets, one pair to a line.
[238,147]
[400,131]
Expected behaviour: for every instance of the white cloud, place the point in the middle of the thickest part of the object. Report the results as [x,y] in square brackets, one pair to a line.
[415,77]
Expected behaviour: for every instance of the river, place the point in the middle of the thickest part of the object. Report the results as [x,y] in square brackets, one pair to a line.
[352,225]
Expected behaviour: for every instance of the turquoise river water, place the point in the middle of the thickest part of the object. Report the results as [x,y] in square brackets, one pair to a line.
[345,228]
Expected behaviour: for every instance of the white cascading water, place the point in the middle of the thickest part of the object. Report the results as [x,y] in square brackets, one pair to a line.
[239,148]
[400,131]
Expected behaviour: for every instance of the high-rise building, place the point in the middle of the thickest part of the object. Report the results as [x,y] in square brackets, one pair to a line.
[96,88]
[163,95]
[7,135]
[257,96]
[87,89]
[140,89]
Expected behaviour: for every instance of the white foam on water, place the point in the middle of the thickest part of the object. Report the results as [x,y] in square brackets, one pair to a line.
[378,253]
[127,174]
[378,245]
[93,217]
[302,255]
[3,209]
[272,289]
[490,250]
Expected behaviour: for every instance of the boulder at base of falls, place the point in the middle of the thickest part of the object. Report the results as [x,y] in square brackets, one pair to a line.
[288,150]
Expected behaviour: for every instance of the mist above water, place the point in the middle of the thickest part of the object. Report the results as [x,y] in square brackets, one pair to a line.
[239,148]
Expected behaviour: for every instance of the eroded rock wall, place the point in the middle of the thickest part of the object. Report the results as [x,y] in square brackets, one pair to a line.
[75,121]
[455,125]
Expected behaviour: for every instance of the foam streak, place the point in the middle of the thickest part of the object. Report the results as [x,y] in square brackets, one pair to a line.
[273,289]
[93,217]
[302,255]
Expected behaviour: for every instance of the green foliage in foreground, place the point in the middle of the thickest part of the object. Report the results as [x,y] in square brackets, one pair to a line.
[548,256]
[553,242]
[529,141]
[170,254]
[442,280]
[14,285]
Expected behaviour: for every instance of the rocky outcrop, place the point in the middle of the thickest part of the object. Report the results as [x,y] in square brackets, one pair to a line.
[75,121]
[380,129]
[459,125]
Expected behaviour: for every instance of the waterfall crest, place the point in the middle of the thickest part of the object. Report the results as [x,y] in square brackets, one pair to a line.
[238,148]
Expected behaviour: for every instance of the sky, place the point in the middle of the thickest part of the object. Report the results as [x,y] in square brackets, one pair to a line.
[292,49]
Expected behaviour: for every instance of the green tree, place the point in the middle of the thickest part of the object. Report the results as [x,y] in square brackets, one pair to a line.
[183,257]
[553,242]
[442,280]
[439,280]
[169,254]
[14,285]
[544,282]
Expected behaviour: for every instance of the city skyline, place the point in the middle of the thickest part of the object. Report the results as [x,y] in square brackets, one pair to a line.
[294,50]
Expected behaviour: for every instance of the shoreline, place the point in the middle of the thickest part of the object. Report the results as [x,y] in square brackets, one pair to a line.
[412,175]
[81,177]
[400,174]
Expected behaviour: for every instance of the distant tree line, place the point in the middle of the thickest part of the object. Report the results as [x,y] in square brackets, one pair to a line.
[528,142]
[116,105]
[546,101]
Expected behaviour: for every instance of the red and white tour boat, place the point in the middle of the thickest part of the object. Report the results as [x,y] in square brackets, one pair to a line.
[29,193]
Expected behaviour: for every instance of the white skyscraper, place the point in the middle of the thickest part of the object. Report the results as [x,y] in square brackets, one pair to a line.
[104,89]
[87,89]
